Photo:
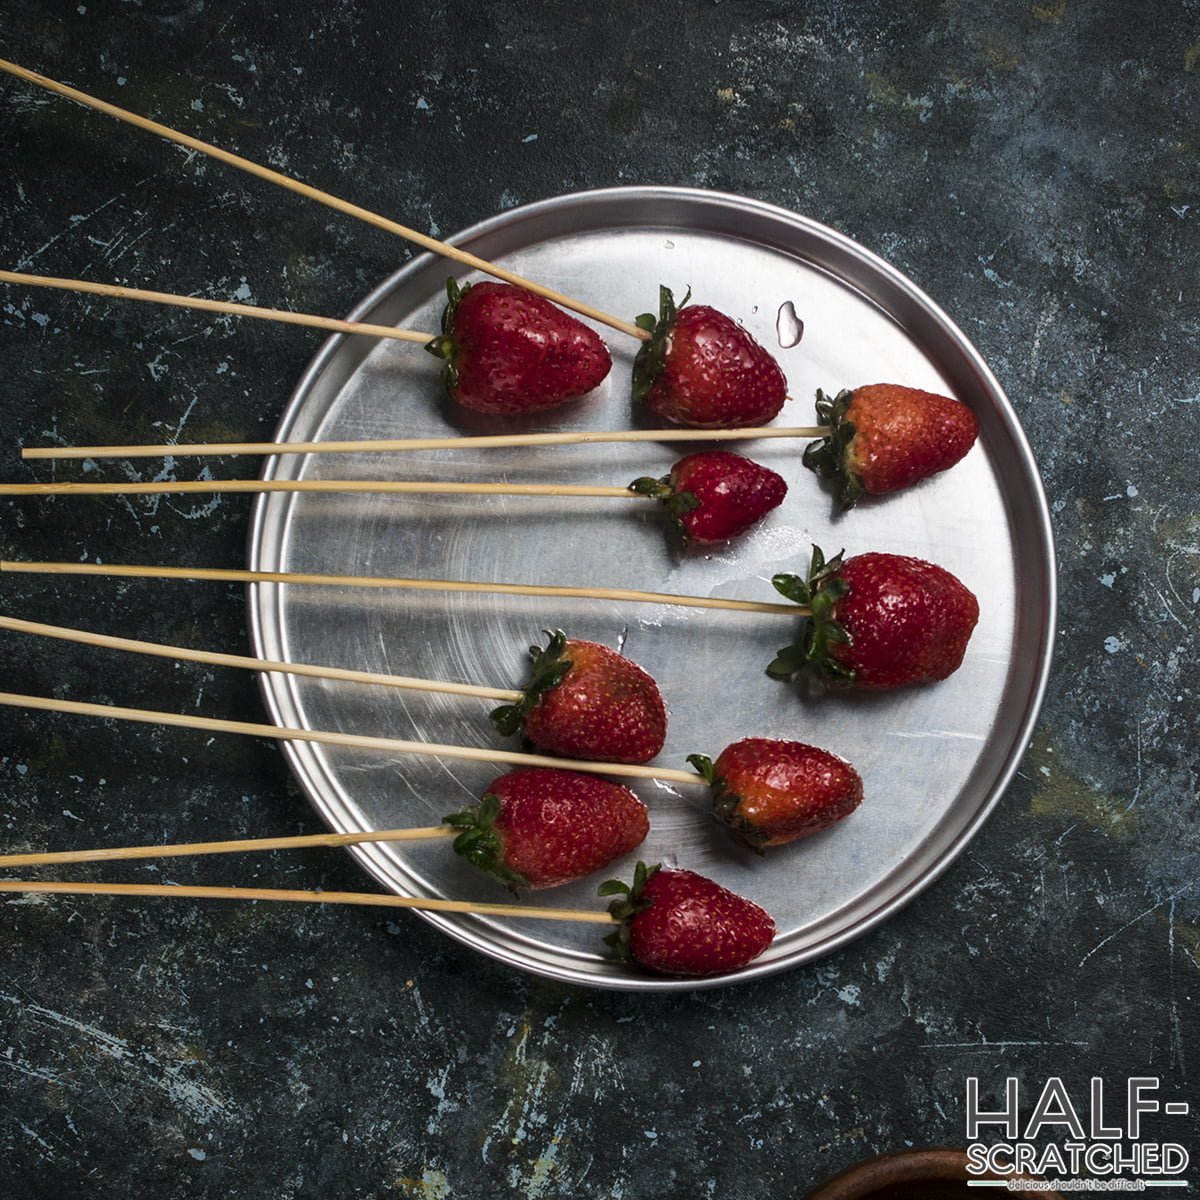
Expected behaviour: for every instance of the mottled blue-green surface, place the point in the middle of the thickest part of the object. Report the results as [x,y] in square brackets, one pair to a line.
[1033,166]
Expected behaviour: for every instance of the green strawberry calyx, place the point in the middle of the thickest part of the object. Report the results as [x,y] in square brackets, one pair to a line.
[628,903]
[677,504]
[549,669]
[480,844]
[443,346]
[725,804]
[652,357]
[820,592]
[830,457]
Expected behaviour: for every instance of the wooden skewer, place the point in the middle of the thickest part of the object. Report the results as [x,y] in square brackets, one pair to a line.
[215,658]
[244,846]
[394,445]
[426,904]
[382,581]
[437,585]
[117,292]
[312,193]
[358,741]
[381,486]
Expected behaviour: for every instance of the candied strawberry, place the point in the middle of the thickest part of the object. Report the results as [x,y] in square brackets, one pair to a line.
[509,351]
[543,827]
[701,368]
[584,700]
[879,621]
[680,923]
[884,436]
[770,792]
[715,495]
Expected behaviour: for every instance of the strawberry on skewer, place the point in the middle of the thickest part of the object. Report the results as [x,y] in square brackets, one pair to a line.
[885,436]
[878,621]
[489,441]
[508,351]
[770,792]
[701,368]
[686,925]
[534,828]
[681,923]
[585,700]
[812,791]
[541,827]
[714,495]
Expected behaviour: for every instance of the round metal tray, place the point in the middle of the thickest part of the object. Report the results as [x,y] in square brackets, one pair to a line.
[934,760]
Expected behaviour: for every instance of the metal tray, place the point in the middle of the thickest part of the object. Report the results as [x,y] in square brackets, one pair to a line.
[935,760]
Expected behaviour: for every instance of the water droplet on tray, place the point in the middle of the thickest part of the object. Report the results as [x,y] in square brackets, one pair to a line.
[788,327]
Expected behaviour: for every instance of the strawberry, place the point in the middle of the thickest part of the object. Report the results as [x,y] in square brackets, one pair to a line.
[884,437]
[584,700]
[701,368]
[539,828]
[879,621]
[681,923]
[715,495]
[508,351]
[770,792]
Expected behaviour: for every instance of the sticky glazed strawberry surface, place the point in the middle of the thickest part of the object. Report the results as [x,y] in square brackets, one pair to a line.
[908,621]
[510,351]
[770,791]
[586,700]
[541,827]
[693,926]
[701,368]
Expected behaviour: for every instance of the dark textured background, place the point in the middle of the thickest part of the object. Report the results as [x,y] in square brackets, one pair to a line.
[1033,166]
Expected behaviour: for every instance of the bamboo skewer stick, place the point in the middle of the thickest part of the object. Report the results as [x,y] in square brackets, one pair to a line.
[395,445]
[312,193]
[357,741]
[243,846]
[232,575]
[374,899]
[381,486]
[117,292]
[215,658]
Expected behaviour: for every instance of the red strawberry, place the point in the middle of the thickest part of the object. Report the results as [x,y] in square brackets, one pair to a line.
[587,701]
[770,792]
[714,495]
[539,828]
[703,369]
[884,437]
[681,923]
[878,621]
[509,351]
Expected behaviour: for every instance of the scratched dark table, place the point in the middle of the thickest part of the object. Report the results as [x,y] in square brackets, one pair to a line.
[1032,166]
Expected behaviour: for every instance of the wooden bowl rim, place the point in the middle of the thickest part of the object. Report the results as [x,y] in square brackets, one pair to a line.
[904,1166]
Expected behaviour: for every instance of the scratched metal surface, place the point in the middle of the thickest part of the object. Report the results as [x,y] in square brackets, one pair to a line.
[934,760]
[1031,166]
